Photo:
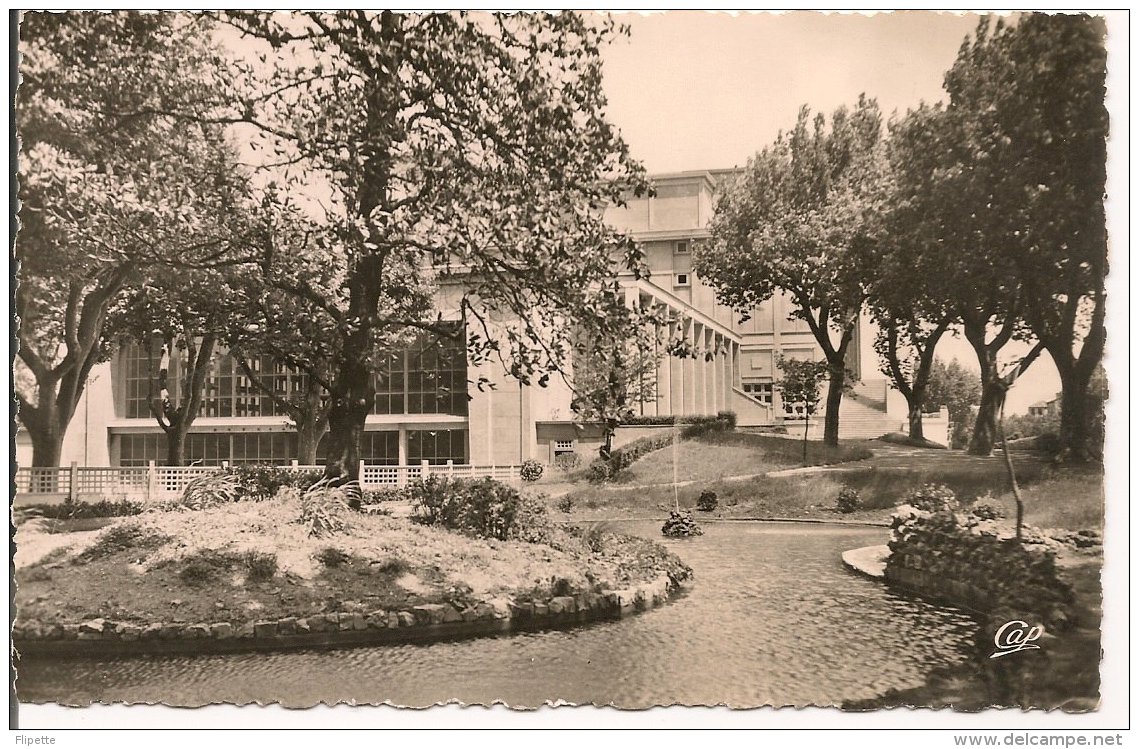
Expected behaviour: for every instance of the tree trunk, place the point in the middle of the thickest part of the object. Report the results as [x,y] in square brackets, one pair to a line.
[309,434]
[1077,441]
[46,448]
[917,431]
[349,410]
[176,445]
[986,428]
[835,386]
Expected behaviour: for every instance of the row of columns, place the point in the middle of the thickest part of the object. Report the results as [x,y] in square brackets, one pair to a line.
[693,385]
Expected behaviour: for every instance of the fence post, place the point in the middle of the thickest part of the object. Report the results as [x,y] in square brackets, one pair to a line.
[150,479]
[294,463]
[424,470]
[450,468]
[73,482]
[224,464]
[360,474]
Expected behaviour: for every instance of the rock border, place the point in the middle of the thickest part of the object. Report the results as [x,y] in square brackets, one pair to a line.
[424,623]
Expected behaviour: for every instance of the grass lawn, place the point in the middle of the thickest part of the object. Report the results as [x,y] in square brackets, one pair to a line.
[1068,498]
[714,456]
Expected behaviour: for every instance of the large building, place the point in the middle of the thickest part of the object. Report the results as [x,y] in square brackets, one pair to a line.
[426,410]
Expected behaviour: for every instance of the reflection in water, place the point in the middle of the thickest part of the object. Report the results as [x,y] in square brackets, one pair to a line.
[771,618]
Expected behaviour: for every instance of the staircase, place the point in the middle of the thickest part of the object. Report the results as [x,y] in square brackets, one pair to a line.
[863,412]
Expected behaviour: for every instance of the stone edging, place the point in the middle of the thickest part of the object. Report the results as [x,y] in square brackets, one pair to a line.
[425,623]
[871,562]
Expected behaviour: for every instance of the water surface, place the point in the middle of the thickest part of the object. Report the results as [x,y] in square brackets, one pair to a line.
[772,617]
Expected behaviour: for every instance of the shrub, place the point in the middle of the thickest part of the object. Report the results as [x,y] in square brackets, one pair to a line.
[672,420]
[205,566]
[707,501]
[483,508]
[332,557]
[986,510]
[681,525]
[386,494]
[848,500]
[72,510]
[260,481]
[262,565]
[324,507]
[602,470]
[725,421]
[393,566]
[531,470]
[210,490]
[565,503]
[932,498]
[126,536]
[593,536]
[567,462]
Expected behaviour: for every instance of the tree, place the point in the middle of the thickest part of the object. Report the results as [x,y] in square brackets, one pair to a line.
[611,378]
[801,219]
[108,190]
[943,212]
[904,296]
[177,321]
[800,387]
[1032,98]
[959,390]
[468,151]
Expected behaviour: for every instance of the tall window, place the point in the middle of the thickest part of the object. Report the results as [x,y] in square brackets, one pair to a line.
[390,381]
[427,377]
[437,446]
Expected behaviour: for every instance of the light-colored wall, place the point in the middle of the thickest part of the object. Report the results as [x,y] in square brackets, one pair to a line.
[86,440]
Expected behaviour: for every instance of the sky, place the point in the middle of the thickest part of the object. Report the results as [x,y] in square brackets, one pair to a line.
[703,90]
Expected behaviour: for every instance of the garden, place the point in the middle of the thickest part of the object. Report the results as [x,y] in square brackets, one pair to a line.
[238,549]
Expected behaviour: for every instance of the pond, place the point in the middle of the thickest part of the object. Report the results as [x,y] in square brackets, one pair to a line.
[772,617]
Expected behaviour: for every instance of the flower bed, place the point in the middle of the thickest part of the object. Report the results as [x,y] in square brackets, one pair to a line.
[249,575]
[978,562]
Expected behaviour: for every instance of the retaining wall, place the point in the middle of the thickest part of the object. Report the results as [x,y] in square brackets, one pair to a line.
[428,622]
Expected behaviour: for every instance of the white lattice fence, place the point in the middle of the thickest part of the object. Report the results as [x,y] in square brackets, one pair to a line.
[159,482]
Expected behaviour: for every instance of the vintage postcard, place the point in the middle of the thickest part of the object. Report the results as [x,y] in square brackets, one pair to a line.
[585,358]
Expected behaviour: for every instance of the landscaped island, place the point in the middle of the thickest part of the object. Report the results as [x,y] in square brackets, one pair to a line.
[297,569]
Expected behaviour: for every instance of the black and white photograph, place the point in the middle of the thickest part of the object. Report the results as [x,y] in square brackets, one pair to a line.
[539,359]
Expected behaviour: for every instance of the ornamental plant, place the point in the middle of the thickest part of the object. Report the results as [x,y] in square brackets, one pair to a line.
[531,470]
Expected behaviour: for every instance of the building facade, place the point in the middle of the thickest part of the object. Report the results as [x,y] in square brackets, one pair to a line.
[425,408]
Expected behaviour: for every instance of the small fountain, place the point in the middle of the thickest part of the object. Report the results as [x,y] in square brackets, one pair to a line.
[680,524]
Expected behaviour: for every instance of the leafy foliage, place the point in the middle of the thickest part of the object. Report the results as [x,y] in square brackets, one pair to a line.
[325,508]
[484,509]
[802,219]
[72,510]
[801,381]
[932,498]
[959,390]
[848,500]
[466,151]
[119,538]
[531,470]
[261,565]
[622,458]
[111,190]
[210,490]
[707,501]
[260,481]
